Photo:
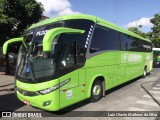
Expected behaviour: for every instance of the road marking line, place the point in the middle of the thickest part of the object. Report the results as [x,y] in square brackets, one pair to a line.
[157,98]
[156,92]
[156,88]
[158,85]
[137,109]
[146,96]
[147,103]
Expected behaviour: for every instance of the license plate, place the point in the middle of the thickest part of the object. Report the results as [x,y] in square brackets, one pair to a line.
[26,102]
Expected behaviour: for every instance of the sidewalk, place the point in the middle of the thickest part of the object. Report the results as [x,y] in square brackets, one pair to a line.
[153,89]
[6,82]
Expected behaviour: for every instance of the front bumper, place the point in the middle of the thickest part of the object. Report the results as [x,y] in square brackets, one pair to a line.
[39,100]
[27,92]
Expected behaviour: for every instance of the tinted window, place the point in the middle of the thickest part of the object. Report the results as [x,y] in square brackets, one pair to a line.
[68,55]
[146,47]
[79,38]
[129,43]
[104,39]
[83,25]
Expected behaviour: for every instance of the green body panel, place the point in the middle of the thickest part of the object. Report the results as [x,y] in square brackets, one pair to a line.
[128,65]
[38,101]
[76,86]
[5,46]
[58,97]
[51,34]
[116,67]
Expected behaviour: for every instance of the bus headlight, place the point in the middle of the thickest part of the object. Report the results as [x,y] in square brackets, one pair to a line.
[48,90]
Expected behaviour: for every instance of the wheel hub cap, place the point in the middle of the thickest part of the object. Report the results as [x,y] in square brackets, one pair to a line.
[96,90]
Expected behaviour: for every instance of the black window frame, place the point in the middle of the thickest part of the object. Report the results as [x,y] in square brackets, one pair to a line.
[136,47]
[117,45]
[140,44]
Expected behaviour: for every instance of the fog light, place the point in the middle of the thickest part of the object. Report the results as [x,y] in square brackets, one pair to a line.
[47,103]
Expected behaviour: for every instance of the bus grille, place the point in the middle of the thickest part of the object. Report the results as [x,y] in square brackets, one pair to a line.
[26,93]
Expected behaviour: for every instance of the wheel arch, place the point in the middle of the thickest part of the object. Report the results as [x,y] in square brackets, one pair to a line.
[97,77]
[145,66]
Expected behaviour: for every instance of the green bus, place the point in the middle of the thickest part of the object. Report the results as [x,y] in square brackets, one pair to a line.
[156,56]
[71,58]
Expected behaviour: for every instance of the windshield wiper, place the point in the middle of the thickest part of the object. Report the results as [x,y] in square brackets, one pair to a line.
[32,73]
[29,63]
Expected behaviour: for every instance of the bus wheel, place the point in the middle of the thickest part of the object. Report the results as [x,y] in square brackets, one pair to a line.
[145,72]
[97,91]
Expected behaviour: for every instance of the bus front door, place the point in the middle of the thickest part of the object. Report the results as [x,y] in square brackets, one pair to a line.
[71,91]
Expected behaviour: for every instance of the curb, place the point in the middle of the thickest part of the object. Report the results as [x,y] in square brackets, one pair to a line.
[6,85]
[7,89]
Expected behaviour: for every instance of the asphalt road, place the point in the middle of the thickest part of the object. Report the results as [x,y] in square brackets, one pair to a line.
[127,97]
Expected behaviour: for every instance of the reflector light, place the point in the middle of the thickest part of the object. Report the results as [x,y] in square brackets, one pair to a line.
[26,102]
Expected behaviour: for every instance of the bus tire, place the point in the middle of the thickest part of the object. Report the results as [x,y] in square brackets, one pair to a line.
[145,72]
[97,91]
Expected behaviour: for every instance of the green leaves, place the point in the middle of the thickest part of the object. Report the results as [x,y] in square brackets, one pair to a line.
[16,16]
[137,31]
[155,37]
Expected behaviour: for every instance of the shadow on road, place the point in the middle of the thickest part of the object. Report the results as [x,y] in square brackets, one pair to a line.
[6,85]
[11,74]
[122,85]
[70,110]
[156,66]
[3,70]
[9,102]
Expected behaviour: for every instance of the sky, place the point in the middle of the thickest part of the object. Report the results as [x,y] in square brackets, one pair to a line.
[125,13]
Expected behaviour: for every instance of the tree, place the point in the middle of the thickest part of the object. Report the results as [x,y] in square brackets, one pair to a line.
[137,31]
[155,34]
[15,17]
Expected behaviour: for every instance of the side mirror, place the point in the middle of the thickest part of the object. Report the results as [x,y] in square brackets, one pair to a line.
[5,45]
[51,34]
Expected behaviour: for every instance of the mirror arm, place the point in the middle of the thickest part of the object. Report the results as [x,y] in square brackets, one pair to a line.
[5,45]
[51,34]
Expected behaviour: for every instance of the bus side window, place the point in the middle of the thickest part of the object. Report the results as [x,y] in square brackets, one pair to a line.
[68,55]
[104,39]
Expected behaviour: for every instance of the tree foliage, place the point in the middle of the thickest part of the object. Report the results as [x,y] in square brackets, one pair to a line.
[137,31]
[155,34]
[16,16]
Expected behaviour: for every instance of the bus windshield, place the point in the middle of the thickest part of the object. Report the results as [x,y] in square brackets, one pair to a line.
[31,64]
